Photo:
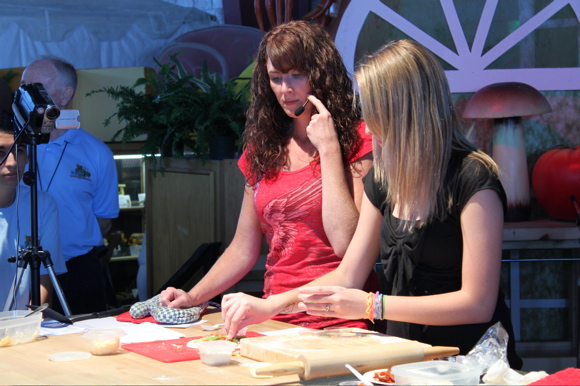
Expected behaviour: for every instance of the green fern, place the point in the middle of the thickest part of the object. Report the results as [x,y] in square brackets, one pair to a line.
[178,110]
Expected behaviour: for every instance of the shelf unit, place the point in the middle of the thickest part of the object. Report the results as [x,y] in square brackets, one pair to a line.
[130,221]
[123,266]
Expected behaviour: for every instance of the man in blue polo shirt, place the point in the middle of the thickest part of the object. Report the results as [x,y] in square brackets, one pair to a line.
[15,223]
[79,171]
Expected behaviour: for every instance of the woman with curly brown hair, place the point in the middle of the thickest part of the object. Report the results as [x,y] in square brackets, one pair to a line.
[305,153]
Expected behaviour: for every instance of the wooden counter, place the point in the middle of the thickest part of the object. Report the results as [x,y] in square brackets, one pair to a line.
[541,234]
[29,364]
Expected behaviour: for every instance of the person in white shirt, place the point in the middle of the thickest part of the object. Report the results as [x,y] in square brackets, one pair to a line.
[15,224]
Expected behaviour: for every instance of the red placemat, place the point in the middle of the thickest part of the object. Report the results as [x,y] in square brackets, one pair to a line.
[170,351]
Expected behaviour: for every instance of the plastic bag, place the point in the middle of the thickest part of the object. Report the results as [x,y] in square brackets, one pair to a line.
[490,356]
[492,347]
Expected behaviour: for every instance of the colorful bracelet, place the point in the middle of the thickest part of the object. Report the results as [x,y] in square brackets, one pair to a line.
[370,307]
[383,307]
[378,305]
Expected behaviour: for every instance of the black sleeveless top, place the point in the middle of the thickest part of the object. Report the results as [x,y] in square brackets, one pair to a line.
[428,260]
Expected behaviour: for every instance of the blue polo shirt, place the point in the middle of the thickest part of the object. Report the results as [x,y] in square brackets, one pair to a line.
[79,171]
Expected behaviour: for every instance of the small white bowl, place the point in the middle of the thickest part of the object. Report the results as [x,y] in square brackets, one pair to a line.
[104,341]
[216,352]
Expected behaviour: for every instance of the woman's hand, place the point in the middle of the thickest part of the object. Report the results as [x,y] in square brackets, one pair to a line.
[333,301]
[176,298]
[320,130]
[240,310]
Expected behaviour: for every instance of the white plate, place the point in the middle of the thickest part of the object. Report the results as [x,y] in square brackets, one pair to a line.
[370,376]
[69,356]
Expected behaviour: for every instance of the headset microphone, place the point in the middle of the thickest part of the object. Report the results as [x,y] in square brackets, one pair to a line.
[300,109]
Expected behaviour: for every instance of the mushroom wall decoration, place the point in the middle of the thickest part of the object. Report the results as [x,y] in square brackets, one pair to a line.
[506,103]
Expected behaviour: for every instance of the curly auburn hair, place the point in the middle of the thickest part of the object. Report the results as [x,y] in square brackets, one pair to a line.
[307,48]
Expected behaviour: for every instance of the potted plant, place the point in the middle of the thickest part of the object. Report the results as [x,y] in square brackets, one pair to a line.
[178,111]
[221,115]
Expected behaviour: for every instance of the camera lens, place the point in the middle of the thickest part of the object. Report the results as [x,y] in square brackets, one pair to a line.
[52,113]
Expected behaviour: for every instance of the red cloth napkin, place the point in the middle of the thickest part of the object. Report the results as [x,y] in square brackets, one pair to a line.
[126,317]
[170,351]
[569,376]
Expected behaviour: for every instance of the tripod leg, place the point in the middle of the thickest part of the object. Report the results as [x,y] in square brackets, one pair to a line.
[11,299]
[58,290]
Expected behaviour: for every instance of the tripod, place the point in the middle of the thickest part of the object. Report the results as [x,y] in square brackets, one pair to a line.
[34,255]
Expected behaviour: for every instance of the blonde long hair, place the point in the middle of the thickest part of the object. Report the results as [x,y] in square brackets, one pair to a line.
[406,103]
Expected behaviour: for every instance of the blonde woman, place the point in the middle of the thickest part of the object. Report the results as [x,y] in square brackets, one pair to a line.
[432,210]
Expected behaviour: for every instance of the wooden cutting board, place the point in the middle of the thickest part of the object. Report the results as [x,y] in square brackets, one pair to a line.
[287,348]
[321,354]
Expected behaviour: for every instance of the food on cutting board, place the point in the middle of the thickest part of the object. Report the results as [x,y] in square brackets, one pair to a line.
[209,338]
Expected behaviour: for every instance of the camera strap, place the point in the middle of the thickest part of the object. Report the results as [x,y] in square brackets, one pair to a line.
[55,169]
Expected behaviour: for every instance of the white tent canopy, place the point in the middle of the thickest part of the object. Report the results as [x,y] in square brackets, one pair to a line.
[97,34]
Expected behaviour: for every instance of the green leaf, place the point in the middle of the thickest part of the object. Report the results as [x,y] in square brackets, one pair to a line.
[175,109]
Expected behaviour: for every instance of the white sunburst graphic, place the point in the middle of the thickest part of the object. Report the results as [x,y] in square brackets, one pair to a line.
[471,64]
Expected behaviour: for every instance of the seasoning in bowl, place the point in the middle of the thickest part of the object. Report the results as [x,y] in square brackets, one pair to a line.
[16,329]
[104,341]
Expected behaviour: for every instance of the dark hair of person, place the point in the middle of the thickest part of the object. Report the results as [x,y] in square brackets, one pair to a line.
[6,122]
[307,48]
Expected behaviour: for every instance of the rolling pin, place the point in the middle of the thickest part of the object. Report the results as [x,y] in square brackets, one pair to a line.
[313,365]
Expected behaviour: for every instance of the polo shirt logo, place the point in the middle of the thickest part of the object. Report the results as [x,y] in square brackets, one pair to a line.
[81,172]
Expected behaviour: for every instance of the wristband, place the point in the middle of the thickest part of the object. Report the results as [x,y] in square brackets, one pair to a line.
[370,307]
[383,307]
[378,306]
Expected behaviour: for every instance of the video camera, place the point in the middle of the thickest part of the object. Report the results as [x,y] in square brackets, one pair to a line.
[34,111]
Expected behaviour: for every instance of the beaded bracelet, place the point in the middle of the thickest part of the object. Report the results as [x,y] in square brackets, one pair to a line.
[378,306]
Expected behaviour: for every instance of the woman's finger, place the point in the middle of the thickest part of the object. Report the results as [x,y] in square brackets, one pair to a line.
[317,104]
[228,314]
[229,307]
[237,322]
[317,309]
[167,296]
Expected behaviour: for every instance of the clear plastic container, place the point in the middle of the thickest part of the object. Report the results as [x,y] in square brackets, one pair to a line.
[16,329]
[104,341]
[435,373]
[216,352]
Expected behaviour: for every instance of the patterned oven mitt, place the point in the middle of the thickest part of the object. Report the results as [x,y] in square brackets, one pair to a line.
[166,315]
